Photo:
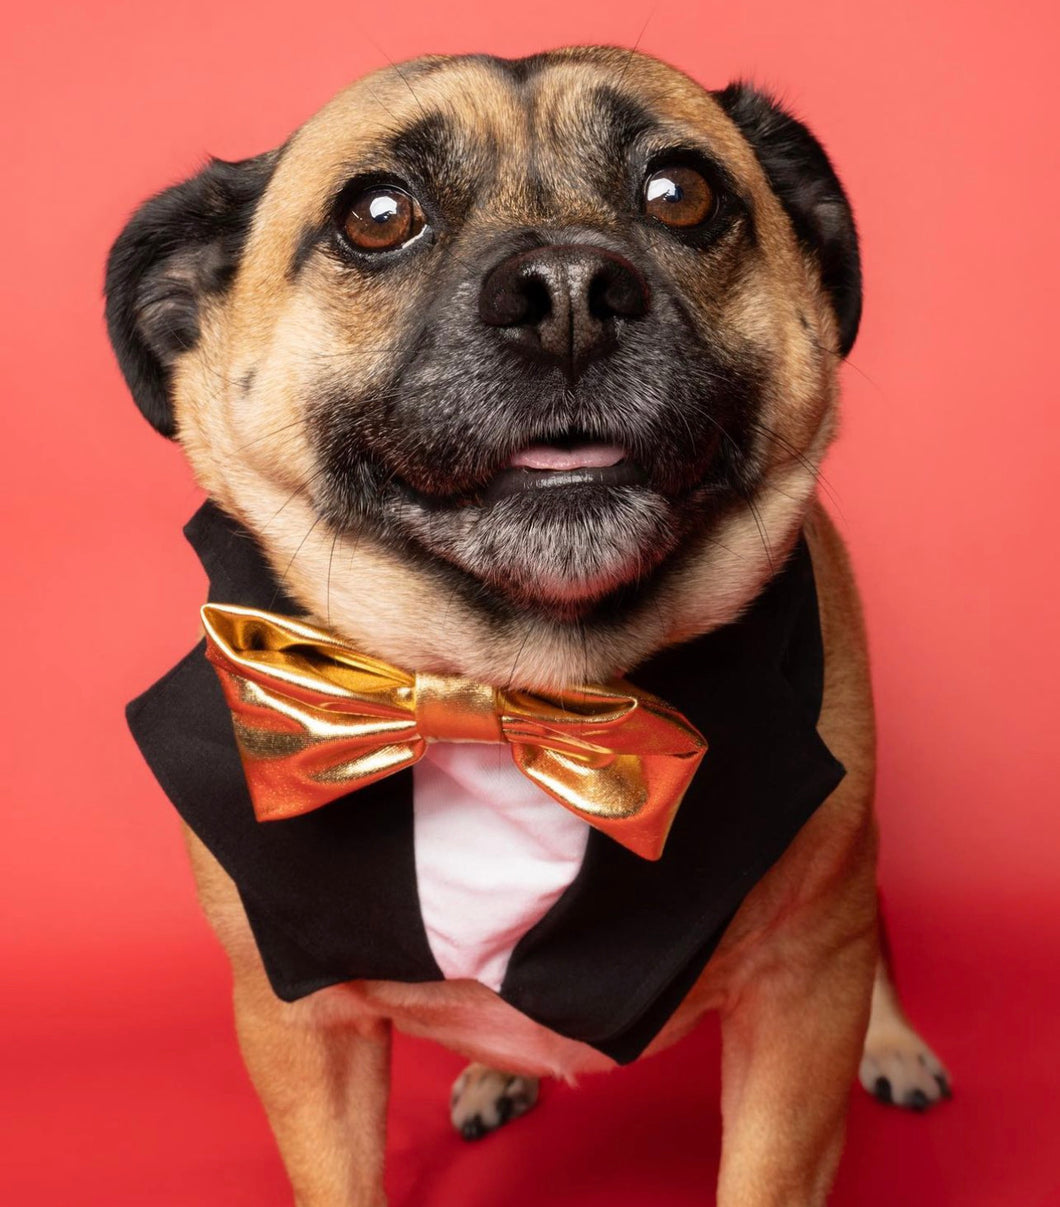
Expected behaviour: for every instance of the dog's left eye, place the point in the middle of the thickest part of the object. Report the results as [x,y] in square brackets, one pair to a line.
[382,219]
[678,196]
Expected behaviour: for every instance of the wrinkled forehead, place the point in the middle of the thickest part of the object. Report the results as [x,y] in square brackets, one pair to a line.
[534,130]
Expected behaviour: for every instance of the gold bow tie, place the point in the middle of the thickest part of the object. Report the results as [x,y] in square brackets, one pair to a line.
[314,720]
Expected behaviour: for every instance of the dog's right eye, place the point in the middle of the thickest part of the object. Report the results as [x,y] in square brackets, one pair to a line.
[382,219]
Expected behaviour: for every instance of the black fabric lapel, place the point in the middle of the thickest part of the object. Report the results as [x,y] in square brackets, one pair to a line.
[331,896]
[622,946]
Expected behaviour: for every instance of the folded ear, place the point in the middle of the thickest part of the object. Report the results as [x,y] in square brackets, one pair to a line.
[803,178]
[179,247]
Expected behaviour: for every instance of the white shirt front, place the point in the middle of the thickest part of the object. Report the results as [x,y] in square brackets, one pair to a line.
[494,852]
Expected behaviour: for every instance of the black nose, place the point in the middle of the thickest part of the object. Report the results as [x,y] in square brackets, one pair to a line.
[560,302]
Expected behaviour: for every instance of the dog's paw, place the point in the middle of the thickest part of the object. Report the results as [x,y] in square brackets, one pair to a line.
[897,1067]
[484,1099]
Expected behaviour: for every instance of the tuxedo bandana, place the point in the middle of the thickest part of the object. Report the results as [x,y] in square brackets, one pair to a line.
[329,883]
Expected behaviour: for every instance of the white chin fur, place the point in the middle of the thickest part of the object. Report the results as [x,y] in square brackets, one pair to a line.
[530,551]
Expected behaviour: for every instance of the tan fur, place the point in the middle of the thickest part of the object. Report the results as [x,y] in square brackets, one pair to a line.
[793,976]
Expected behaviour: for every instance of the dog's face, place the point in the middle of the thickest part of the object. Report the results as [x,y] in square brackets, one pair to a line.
[545,348]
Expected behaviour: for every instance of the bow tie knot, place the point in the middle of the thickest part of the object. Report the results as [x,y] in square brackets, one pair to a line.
[314,720]
[450,708]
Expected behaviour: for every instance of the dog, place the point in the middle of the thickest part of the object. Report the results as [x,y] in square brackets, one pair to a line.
[523,371]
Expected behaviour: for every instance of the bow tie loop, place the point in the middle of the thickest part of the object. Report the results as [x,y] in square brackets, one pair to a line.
[314,720]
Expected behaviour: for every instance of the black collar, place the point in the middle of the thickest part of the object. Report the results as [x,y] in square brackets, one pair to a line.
[331,896]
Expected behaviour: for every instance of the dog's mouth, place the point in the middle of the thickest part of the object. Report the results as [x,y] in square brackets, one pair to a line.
[571,462]
[555,519]
[565,519]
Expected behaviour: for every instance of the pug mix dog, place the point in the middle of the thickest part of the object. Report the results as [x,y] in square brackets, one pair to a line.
[509,383]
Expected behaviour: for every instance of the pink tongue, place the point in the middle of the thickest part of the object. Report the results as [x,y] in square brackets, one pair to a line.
[581,456]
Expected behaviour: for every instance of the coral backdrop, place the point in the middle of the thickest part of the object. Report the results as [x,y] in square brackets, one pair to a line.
[124,1082]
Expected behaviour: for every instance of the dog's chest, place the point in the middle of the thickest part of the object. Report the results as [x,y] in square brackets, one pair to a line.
[493,855]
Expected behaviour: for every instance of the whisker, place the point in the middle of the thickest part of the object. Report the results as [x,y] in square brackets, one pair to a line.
[633,48]
[242,447]
[834,352]
[808,465]
[518,655]
[761,533]
[299,489]
[327,590]
[283,577]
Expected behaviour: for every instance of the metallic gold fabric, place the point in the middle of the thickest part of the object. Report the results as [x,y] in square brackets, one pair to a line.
[315,720]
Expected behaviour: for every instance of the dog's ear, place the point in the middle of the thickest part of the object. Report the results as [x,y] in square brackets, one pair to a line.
[182,245]
[803,178]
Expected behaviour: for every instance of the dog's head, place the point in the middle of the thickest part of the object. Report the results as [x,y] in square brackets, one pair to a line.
[518,368]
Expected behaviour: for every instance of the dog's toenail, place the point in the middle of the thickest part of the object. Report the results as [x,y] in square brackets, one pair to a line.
[917,1100]
[882,1089]
[944,1086]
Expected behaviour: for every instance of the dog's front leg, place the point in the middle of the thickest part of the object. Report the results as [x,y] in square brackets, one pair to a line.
[324,1083]
[791,1042]
[324,1088]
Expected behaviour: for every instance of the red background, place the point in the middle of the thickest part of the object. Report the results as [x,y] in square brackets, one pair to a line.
[124,1081]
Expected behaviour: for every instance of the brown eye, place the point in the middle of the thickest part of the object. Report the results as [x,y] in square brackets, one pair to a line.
[678,196]
[381,219]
